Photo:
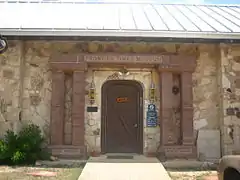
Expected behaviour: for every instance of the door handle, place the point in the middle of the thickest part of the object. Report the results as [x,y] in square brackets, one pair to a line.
[136,125]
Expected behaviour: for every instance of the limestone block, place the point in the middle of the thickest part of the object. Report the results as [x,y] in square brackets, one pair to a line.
[91,142]
[98,142]
[205,104]
[236,66]
[208,144]
[209,70]
[235,51]
[150,137]
[152,130]
[225,82]
[2,118]
[152,146]
[170,47]
[91,122]
[200,123]
[196,114]
[228,149]
[228,120]
[13,115]
[224,60]
[205,81]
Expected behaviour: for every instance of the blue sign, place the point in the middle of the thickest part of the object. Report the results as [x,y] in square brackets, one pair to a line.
[152,119]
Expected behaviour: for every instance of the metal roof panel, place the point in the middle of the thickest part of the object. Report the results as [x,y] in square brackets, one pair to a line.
[219,18]
[237,9]
[209,19]
[58,16]
[154,18]
[200,23]
[168,18]
[140,18]
[231,11]
[126,17]
[182,18]
[227,15]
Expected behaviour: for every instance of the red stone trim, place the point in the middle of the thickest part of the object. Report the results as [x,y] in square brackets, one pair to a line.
[187,148]
[187,108]
[69,151]
[78,108]
[57,108]
[166,83]
[166,64]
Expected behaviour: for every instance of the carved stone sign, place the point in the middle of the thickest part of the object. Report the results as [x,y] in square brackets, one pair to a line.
[106,58]
[162,62]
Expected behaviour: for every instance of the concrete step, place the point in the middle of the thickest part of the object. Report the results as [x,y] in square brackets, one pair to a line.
[138,168]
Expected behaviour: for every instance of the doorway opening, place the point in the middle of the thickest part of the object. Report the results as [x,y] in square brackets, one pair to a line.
[122,117]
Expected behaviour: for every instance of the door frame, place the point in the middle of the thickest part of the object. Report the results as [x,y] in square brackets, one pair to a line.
[105,86]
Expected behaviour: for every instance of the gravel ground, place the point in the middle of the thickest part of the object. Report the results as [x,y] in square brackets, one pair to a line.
[20,173]
[193,175]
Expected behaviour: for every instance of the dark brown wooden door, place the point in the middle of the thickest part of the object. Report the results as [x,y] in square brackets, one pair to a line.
[122,117]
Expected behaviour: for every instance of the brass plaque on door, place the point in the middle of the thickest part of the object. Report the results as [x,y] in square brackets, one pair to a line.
[122,99]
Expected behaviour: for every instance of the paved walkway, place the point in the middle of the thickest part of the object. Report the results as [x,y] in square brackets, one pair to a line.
[139,168]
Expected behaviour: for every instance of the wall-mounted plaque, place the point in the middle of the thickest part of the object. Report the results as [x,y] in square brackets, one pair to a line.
[152,119]
[92,109]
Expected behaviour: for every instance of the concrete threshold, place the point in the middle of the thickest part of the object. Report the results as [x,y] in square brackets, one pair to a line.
[138,168]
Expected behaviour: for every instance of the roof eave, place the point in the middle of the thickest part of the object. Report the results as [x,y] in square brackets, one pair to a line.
[120,33]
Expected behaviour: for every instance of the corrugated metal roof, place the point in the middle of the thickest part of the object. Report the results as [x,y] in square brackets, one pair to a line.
[118,19]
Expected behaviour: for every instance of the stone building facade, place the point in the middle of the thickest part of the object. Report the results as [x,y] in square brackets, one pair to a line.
[40,82]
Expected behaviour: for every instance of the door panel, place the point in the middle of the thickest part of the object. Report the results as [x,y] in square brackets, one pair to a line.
[123,124]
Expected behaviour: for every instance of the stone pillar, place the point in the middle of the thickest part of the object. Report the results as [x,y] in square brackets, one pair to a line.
[166,83]
[57,109]
[187,108]
[78,108]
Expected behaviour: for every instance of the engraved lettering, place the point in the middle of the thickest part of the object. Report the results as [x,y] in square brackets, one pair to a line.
[161,60]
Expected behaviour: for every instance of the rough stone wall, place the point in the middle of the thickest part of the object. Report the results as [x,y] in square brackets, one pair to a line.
[206,102]
[37,83]
[10,63]
[230,68]
[205,88]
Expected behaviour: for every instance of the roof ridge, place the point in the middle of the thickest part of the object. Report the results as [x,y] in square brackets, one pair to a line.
[116,2]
